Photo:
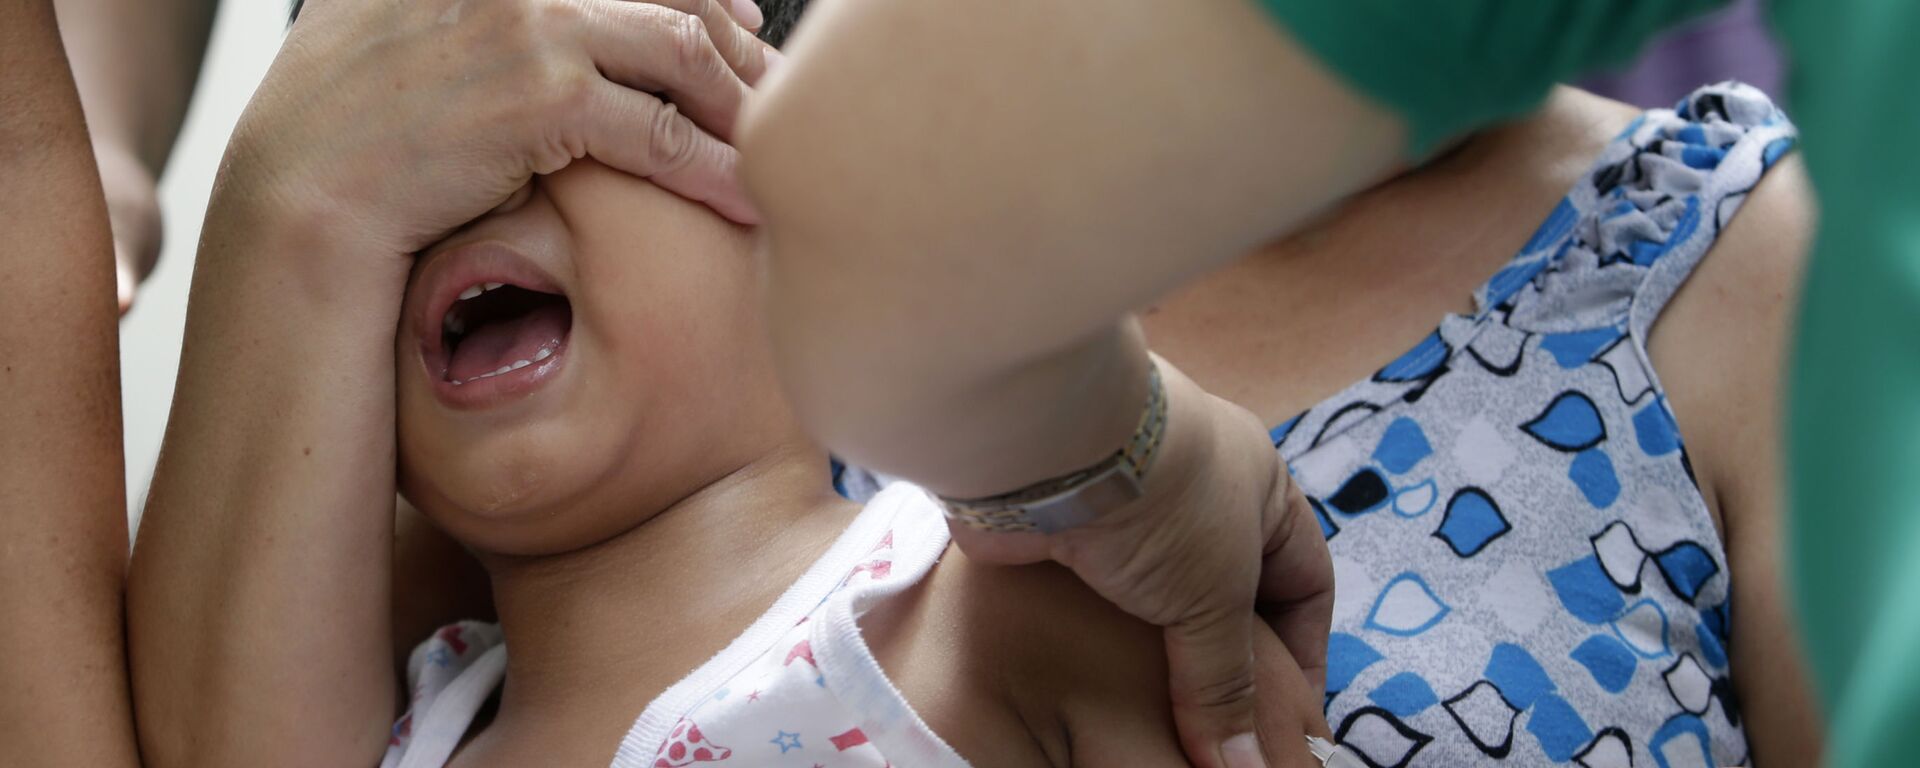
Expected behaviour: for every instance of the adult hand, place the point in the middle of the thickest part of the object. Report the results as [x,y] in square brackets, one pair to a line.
[400,121]
[1220,530]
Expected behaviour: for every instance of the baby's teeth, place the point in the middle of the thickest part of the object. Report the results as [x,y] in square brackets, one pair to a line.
[543,354]
[472,291]
[490,286]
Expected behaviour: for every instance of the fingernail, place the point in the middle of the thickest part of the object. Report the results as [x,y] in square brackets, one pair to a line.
[775,59]
[747,12]
[1242,751]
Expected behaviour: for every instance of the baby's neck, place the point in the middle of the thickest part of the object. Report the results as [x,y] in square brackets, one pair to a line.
[594,635]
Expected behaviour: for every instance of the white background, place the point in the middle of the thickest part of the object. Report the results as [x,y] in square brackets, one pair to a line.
[246,35]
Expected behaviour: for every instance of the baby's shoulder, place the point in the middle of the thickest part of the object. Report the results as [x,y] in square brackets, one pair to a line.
[1025,665]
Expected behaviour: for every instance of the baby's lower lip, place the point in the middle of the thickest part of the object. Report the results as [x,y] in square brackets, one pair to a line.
[544,353]
[497,387]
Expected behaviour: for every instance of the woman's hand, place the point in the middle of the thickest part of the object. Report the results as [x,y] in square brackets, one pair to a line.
[398,121]
[1221,530]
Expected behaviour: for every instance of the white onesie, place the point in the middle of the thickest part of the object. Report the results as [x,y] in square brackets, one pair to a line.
[800,687]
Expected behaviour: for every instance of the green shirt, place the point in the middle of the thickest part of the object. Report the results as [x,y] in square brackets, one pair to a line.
[1854,423]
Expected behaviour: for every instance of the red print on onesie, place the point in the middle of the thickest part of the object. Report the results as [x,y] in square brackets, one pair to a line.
[686,746]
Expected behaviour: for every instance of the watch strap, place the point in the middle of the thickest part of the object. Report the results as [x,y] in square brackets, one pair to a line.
[1063,502]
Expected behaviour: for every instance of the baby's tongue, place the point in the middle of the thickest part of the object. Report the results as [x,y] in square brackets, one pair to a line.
[504,343]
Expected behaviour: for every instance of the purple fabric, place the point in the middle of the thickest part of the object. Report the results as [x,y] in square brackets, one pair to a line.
[1732,44]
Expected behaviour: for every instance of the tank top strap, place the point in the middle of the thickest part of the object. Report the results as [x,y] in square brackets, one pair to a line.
[1623,240]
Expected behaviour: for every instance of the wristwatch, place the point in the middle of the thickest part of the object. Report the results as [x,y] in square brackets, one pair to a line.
[1072,499]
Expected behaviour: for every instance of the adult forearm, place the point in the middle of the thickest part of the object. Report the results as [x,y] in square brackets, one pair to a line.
[958,199]
[63,688]
[258,598]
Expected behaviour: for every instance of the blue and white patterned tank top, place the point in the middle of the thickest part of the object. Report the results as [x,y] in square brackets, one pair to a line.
[1526,570]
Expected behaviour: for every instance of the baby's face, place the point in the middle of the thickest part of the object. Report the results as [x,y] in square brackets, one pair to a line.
[578,360]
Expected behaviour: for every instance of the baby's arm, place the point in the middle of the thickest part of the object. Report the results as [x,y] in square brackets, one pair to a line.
[258,599]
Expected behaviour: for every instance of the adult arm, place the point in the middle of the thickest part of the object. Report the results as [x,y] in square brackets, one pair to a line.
[135,63]
[962,206]
[63,685]
[260,593]
[957,237]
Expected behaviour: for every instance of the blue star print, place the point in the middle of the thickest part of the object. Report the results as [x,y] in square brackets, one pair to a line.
[785,741]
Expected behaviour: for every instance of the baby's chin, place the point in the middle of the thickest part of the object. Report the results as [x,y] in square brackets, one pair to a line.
[534,517]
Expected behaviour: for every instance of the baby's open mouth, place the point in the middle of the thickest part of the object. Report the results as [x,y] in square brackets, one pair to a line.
[494,329]
[493,326]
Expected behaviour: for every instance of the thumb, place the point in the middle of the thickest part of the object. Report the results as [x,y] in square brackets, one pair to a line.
[1210,661]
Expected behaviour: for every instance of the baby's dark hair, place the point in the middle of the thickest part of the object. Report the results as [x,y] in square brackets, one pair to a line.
[780,15]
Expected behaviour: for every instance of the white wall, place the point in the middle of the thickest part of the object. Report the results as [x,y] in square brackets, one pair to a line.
[245,36]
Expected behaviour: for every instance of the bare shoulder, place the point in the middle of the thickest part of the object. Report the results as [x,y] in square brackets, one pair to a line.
[1721,348]
[1721,345]
[1025,666]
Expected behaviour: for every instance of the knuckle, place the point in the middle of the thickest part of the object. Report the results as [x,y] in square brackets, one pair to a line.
[693,50]
[1222,693]
[670,140]
[555,150]
[731,39]
[748,52]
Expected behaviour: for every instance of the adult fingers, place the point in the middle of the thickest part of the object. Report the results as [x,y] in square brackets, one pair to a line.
[733,34]
[1288,711]
[661,50]
[1296,581]
[1210,663]
[641,135]
[747,12]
